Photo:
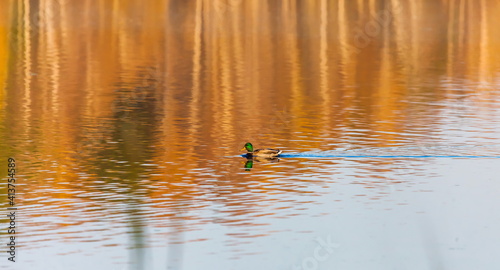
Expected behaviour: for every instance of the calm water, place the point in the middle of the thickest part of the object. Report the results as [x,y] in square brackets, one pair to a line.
[125,120]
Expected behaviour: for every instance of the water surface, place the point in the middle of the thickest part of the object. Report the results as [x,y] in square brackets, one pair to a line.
[126,119]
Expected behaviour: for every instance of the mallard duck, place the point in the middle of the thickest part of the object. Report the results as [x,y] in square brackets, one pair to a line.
[269,153]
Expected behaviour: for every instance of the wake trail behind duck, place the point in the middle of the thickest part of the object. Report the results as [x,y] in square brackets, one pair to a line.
[450,151]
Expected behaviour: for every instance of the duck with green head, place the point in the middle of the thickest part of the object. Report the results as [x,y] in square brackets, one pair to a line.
[268,153]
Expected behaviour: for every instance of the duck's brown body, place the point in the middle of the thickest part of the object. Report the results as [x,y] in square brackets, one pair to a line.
[269,153]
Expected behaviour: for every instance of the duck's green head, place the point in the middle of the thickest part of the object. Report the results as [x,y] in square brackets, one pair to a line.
[248,147]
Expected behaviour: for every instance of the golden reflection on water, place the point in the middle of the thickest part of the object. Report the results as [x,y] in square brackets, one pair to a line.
[108,102]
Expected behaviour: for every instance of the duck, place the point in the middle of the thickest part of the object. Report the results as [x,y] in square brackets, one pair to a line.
[267,153]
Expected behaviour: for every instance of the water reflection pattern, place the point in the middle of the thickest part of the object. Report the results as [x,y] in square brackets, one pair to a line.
[117,110]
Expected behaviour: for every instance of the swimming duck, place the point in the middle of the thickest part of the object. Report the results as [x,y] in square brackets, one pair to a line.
[268,153]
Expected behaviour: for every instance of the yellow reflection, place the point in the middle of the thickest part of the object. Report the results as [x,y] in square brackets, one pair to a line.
[5,17]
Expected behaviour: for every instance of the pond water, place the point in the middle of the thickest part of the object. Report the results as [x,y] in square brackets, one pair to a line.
[125,121]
